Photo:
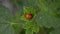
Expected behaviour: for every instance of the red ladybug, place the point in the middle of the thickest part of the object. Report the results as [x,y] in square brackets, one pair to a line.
[28,16]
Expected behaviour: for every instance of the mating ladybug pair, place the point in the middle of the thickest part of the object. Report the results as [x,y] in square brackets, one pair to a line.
[28,16]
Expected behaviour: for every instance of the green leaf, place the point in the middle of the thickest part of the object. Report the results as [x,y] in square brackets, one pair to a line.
[35,28]
[8,25]
[28,10]
[6,29]
[5,16]
[29,31]
[23,18]
[27,25]
[16,18]
[48,17]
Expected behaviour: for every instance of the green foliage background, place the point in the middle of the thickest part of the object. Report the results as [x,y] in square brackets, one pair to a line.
[46,15]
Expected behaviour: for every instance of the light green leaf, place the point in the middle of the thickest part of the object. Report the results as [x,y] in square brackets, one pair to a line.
[29,31]
[35,28]
[29,10]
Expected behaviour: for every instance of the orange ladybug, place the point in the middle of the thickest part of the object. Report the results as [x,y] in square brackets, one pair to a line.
[28,16]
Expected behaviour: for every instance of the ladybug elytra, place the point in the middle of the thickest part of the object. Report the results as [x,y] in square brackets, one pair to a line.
[28,16]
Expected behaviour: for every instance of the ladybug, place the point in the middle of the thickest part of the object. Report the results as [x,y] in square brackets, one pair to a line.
[28,16]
